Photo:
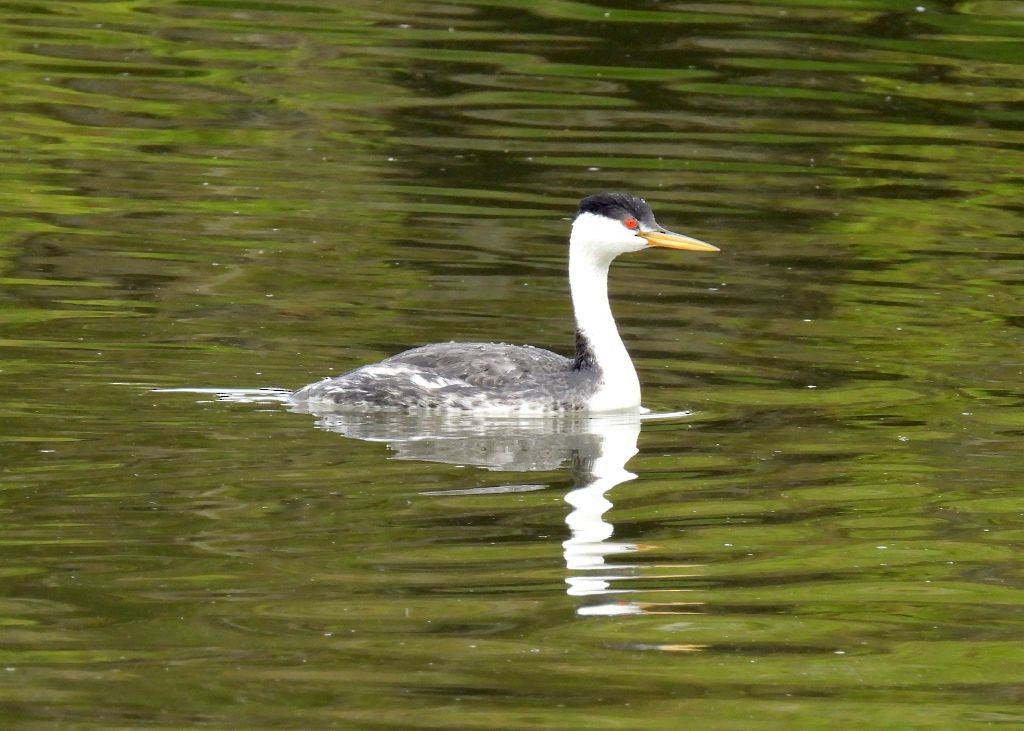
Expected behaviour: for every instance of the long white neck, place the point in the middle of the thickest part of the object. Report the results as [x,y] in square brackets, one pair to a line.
[588,282]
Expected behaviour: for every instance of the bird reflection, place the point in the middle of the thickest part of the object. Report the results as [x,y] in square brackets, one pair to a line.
[596,448]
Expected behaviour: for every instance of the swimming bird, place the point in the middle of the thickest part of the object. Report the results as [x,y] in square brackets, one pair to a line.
[493,377]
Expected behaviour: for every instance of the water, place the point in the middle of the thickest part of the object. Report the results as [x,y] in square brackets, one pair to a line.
[242,195]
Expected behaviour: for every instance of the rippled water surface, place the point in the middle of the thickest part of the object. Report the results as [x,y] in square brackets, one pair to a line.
[221,194]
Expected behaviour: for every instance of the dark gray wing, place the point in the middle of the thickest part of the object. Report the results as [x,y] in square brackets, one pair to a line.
[486,365]
[460,376]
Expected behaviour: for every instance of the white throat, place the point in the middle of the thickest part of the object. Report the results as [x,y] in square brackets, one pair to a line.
[590,255]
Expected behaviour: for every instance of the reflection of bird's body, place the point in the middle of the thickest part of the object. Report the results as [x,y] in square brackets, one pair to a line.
[510,378]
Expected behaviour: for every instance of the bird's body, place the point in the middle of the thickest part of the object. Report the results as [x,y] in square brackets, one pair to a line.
[469,376]
[523,379]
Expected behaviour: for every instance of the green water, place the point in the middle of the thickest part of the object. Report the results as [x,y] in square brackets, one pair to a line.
[240,194]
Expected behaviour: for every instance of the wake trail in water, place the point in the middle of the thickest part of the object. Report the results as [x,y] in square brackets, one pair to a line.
[283,396]
[237,395]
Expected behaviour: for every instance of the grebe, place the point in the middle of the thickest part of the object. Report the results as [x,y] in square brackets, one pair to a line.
[516,379]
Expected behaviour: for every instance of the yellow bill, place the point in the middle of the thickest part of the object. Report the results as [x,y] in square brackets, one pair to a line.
[669,240]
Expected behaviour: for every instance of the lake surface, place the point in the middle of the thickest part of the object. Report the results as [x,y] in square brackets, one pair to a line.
[238,194]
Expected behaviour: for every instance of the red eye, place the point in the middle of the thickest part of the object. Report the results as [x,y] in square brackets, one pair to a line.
[631,223]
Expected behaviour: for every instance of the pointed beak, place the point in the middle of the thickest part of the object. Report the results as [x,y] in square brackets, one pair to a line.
[669,240]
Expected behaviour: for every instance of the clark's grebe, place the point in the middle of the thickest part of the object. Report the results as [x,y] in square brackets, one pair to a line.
[517,379]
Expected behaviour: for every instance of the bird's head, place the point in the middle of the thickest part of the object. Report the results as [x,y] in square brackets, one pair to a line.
[609,224]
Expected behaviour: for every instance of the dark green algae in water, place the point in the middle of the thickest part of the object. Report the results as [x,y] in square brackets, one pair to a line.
[251,194]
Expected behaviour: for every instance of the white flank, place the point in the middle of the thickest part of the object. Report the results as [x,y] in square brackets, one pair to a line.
[430,384]
[381,370]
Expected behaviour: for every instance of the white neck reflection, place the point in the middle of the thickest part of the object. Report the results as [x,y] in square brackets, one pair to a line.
[598,446]
[589,543]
